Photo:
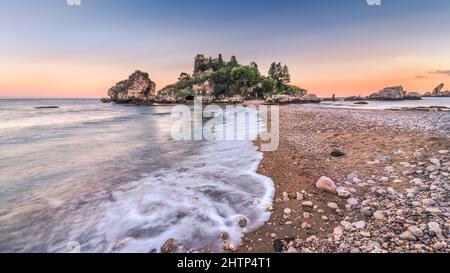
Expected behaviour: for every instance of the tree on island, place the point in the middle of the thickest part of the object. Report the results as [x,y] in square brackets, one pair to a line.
[184,77]
[227,79]
[280,74]
[244,78]
[233,62]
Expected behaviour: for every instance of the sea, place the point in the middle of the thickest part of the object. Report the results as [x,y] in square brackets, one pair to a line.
[83,176]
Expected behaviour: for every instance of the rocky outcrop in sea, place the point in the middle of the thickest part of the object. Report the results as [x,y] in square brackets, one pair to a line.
[395,93]
[137,89]
[437,92]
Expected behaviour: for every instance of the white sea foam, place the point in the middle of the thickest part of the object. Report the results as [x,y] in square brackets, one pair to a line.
[83,186]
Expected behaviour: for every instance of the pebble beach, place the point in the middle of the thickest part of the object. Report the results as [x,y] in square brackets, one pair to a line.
[357,181]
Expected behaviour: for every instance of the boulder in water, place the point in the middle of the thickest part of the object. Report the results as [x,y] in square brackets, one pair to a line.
[138,88]
[389,93]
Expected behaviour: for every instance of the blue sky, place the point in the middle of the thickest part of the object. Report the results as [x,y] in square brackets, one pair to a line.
[52,49]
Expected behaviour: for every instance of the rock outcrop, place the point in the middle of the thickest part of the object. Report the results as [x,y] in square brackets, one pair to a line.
[309,98]
[168,95]
[437,92]
[138,88]
[204,90]
[236,99]
[413,96]
[285,99]
[389,93]
[395,93]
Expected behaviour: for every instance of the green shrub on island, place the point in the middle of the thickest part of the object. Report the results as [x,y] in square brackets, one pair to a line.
[220,79]
[245,78]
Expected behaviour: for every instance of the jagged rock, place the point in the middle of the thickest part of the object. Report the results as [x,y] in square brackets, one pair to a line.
[138,88]
[437,92]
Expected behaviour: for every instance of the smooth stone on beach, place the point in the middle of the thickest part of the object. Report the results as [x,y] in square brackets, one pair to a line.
[326,184]
[352,176]
[416,231]
[307,204]
[352,202]
[338,233]
[408,236]
[379,215]
[343,192]
[287,211]
[428,202]
[439,246]
[385,159]
[360,224]
[306,225]
[435,227]
[367,212]
[435,162]
[332,206]
[292,250]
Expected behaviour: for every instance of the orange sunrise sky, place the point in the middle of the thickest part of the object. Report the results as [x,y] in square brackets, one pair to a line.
[50,49]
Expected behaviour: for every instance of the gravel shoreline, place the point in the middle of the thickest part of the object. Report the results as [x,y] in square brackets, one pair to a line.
[388,187]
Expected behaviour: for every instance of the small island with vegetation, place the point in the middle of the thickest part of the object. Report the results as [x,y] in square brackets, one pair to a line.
[216,81]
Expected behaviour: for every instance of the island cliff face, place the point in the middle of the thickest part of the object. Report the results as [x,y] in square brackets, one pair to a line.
[138,89]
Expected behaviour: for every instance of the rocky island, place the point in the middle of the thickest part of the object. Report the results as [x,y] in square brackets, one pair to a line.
[215,81]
